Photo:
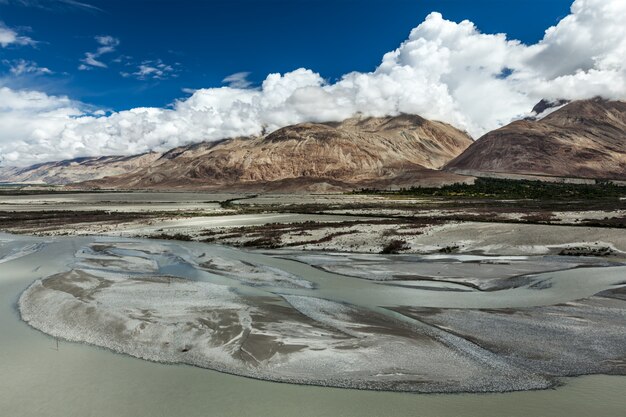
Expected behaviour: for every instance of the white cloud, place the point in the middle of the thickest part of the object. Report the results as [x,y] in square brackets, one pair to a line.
[92,59]
[238,80]
[445,70]
[53,4]
[107,42]
[78,4]
[153,70]
[19,67]
[34,121]
[9,36]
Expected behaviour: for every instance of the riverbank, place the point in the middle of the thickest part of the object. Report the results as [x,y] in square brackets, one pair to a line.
[333,222]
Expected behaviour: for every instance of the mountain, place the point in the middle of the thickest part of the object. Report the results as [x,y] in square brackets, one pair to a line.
[583,139]
[387,151]
[545,105]
[77,170]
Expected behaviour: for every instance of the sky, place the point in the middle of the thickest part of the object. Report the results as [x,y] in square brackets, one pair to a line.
[92,77]
[203,42]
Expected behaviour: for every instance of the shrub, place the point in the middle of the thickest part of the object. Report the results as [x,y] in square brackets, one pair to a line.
[394,247]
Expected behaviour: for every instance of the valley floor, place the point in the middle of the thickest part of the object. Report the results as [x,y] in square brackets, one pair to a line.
[332,222]
[362,291]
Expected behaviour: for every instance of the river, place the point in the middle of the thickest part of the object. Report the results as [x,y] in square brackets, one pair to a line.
[37,378]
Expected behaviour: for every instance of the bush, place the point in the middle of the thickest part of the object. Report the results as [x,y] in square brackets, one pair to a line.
[177,236]
[449,249]
[394,247]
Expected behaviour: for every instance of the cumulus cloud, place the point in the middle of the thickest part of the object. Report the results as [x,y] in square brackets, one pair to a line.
[9,37]
[92,59]
[35,120]
[445,70]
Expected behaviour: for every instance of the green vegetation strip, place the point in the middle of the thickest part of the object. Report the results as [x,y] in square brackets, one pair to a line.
[512,189]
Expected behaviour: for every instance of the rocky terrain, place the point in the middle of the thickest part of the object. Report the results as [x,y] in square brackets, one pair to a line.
[585,139]
[77,170]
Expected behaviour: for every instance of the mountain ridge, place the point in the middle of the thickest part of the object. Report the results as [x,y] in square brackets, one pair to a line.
[75,170]
[334,155]
[582,139]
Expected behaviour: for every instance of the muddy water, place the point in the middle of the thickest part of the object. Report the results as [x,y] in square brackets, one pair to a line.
[78,380]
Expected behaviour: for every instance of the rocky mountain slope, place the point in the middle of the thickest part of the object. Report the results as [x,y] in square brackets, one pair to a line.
[583,139]
[388,151]
[77,170]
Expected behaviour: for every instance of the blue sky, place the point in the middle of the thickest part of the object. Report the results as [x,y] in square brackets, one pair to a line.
[196,44]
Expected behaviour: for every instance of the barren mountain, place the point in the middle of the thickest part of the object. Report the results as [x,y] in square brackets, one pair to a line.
[583,139]
[387,151]
[77,170]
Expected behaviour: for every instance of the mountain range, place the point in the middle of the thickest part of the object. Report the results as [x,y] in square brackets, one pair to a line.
[371,152]
[580,139]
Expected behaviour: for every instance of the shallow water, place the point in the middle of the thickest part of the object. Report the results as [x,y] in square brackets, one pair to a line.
[80,380]
[561,286]
[118,201]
